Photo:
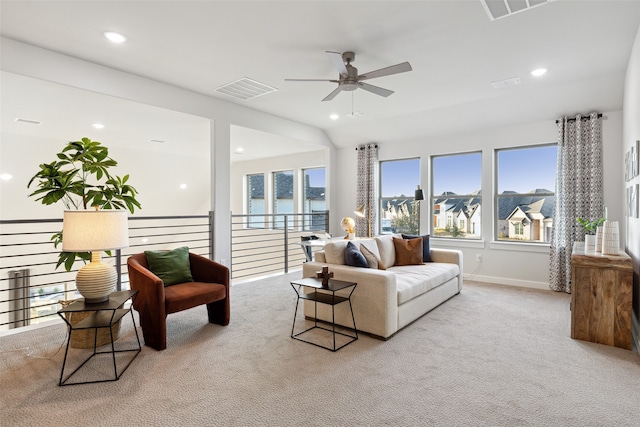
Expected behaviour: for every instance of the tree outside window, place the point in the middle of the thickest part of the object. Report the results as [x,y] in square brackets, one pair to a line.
[255,200]
[282,197]
[456,199]
[399,213]
[314,200]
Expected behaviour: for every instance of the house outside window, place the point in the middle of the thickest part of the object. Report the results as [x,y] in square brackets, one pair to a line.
[282,198]
[255,200]
[525,198]
[314,200]
[456,198]
[399,213]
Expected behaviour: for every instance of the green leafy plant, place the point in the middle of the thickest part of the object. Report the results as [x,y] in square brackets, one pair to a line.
[591,226]
[80,179]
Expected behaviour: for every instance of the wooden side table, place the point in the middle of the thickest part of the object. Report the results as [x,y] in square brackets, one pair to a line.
[601,293]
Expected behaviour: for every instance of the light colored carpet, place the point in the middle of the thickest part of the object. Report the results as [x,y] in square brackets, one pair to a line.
[491,356]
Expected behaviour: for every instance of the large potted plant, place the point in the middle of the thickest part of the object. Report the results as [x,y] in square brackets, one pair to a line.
[80,179]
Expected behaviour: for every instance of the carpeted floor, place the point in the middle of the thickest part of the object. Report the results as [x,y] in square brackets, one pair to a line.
[491,356]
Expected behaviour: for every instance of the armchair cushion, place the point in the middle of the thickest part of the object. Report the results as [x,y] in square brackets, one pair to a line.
[172,267]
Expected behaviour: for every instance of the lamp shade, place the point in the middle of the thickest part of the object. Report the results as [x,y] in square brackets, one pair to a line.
[89,231]
[419,194]
[360,211]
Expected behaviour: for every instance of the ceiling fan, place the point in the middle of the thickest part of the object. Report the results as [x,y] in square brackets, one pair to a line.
[350,80]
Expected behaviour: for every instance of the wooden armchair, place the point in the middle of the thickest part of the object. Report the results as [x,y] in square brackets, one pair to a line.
[155,301]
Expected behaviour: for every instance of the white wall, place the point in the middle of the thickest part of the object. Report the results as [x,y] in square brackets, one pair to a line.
[28,60]
[502,262]
[631,133]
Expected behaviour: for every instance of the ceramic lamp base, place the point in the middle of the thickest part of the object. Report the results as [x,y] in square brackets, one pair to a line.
[96,280]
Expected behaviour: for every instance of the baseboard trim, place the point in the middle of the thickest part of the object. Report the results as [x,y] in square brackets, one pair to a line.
[506,281]
[635,331]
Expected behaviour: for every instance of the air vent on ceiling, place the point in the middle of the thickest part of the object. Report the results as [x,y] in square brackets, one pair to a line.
[245,89]
[506,82]
[27,121]
[497,9]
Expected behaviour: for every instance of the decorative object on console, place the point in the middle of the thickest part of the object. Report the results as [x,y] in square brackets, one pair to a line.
[419,195]
[610,238]
[598,245]
[95,231]
[591,228]
[325,275]
[348,224]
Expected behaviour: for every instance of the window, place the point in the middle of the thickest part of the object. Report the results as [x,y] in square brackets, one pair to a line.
[399,213]
[282,197]
[456,199]
[525,199]
[314,201]
[255,200]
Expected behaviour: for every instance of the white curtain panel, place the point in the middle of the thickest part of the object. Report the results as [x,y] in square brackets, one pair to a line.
[366,189]
[579,191]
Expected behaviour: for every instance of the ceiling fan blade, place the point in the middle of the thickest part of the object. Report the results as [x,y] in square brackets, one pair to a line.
[311,80]
[338,62]
[394,69]
[333,94]
[375,89]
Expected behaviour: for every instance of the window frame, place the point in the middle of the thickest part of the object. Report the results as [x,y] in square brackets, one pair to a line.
[450,218]
[309,226]
[410,197]
[497,196]
[250,223]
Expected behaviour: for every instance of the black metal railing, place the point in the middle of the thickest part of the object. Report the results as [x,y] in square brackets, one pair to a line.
[264,244]
[30,284]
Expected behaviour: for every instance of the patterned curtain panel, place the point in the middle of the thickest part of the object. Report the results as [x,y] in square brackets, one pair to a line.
[366,189]
[578,191]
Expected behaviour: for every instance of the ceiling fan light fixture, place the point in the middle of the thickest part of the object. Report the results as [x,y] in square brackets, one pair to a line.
[334,116]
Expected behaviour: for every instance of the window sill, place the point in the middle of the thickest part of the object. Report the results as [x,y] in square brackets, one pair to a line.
[456,243]
[521,247]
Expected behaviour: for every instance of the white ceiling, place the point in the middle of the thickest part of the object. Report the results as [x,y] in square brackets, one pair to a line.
[455,50]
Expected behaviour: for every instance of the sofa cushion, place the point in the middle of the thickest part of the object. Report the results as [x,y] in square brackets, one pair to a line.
[387,250]
[413,281]
[172,267]
[372,258]
[408,251]
[334,250]
[426,249]
[353,256]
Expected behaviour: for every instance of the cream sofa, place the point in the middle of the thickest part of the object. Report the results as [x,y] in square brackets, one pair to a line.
[386,301]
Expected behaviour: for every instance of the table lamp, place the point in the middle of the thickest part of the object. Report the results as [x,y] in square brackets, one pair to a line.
[95,231]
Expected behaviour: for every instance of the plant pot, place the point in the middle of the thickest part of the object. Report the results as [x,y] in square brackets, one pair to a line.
[590,241]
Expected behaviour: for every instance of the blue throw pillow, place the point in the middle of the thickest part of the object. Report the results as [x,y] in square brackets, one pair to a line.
[353,256]
[426,250]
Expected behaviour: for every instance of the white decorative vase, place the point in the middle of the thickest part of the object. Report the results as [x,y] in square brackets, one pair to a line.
[610,238]
[590,242]
[599,239]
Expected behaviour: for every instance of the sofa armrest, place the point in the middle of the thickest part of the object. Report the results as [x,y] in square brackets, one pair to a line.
[208,271]
[451,256]
[375,299]
[150,287]
[319,256]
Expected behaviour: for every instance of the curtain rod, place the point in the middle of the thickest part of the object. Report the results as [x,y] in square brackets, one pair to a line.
[573,119]
[367,146]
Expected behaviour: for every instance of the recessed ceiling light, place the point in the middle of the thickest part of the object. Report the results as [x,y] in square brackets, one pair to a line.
[539,72]
[115,37]
[239,150]
[334,116]
[98,125]
[5,177]
[183,186]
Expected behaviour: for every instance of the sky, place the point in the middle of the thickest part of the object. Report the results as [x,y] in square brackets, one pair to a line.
[520,170]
